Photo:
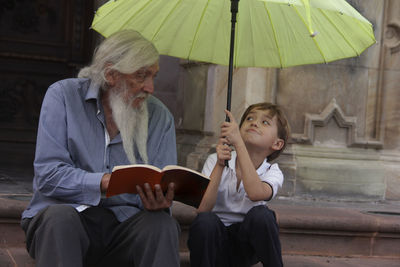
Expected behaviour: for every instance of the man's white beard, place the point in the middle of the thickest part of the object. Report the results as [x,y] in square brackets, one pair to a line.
[132,124]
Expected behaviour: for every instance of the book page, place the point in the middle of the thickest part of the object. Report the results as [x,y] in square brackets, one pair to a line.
[119,167]
[176,167]
[125,180]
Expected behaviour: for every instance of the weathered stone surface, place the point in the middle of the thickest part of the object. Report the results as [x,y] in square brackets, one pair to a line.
[353,176]
[310,89]
[391,163]
[391,109]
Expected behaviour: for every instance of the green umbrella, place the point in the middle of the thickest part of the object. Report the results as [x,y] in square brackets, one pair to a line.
[268,33]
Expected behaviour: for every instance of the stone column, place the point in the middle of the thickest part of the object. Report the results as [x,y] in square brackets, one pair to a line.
[390,95]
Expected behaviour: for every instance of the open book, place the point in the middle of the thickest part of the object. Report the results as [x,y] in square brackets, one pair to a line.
[190,185]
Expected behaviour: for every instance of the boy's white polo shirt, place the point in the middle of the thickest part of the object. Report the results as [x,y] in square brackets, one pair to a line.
[232,205]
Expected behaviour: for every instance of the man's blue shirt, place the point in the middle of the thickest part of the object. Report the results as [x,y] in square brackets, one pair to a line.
[72,156]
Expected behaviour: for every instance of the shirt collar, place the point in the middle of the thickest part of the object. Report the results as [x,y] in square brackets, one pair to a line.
[261,170]
[93,93]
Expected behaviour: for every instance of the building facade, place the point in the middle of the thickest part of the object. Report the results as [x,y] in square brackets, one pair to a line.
[344,116]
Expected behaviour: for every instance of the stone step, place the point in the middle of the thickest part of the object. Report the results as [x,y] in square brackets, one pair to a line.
[312,233]
[327,229]
[339,229]
[18,257]
[322,261]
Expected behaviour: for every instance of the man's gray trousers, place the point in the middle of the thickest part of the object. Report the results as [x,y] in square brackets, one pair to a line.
[61,236]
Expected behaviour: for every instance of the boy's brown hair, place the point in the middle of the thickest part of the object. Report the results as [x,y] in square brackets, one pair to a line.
[282,123]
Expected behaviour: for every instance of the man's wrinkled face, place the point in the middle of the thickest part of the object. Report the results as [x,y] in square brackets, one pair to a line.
[138,85]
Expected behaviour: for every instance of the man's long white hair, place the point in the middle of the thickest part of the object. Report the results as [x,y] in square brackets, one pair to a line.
[125,51]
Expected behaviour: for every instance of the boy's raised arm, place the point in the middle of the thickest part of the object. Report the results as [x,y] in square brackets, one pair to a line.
[210,196]
[255,188]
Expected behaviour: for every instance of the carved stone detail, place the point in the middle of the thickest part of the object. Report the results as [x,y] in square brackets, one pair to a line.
[392,37]
[333,110]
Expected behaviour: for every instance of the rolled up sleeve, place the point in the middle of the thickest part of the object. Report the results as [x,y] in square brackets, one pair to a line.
[274,177]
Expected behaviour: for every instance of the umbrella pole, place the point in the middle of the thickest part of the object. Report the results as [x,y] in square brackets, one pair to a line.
[234,11]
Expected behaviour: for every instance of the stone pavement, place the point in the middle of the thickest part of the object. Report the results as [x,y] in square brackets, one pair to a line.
[17,256]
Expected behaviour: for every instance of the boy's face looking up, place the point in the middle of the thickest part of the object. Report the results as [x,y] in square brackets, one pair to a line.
[259,131]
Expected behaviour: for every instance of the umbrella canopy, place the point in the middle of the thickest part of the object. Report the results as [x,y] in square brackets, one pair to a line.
[269,33]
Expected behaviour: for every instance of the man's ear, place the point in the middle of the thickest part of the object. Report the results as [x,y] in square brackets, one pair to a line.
[278,144]
[111,76]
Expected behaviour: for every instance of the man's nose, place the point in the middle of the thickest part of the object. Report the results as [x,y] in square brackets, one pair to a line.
[149,86]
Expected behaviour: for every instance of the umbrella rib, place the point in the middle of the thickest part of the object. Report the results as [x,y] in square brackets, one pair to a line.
[273,30]
[93,26]
[315,42]
[344,38]
[236,40]
[373,39]
[127,21]
[104,15]
[367,32]
[362,28]
[251,18]
[197,29]
[166,17]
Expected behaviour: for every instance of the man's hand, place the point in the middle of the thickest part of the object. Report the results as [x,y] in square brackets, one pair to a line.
[156,201]
[105,180]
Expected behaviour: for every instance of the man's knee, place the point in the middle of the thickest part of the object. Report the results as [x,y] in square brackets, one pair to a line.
[159,221]
[57,215]
[56,222]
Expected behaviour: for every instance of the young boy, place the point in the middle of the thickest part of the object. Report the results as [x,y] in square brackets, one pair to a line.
[234,227]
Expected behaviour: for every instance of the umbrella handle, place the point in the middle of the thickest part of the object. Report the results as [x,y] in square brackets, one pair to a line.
[234,11]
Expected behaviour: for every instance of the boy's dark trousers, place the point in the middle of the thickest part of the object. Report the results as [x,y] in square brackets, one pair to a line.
[255,239]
